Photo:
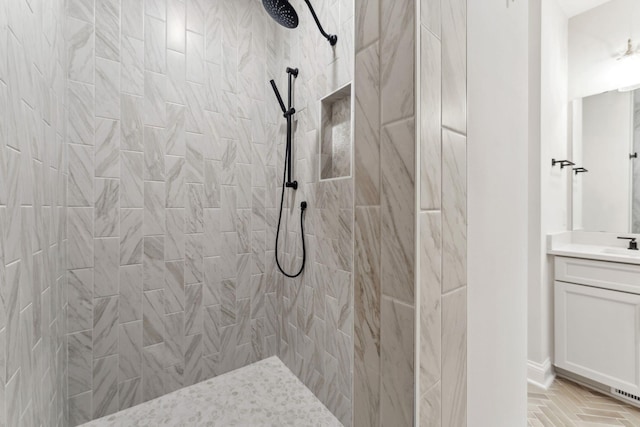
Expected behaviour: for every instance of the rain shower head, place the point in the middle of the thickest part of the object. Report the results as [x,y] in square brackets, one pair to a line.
[282,12]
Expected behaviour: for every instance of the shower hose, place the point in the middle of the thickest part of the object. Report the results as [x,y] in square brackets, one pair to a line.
[303,207]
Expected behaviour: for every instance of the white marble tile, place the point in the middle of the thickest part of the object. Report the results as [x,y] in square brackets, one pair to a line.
[193,309]
[194,209]
[80,42]
[154,211]
[430,121]
[153,376]
[132,18]
[156,8]
[154,145]
[131,182]
[108,29]
[81,9]
[367,126]
[195,101]
[195,15]
[80,183]
[366,399]
[153,317]
[132,66]
[431,16]
[174,286]
[175,168]
[212,171]
[430,259]
[397,363]
[105,386]
[80,297]
[397,59]
[80,409]
[175,235]
[106,261]
[79,350]
[176,25]
[153,263]
[155,86]
[107,148]
[454,211]
[454,65]
[194,258]
[131,126]
[431,406]
[177,78]
[194,158]
[454,358]
[80,242]
[130,295]
[174,338]
[155,39]
[367,287]
[195,57]
[131,236]
[176,141]
[107,88]
[80,120]
[107,197]
[130,393]
[398,180]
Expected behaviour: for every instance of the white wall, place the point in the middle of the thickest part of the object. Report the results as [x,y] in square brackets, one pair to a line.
[497,212]
[606,145]
[551,101]
[594,38]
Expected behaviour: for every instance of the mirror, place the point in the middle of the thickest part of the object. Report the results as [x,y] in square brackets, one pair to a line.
[605,140]
[604,117]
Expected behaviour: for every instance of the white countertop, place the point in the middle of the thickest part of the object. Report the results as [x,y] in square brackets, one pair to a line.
[597,246]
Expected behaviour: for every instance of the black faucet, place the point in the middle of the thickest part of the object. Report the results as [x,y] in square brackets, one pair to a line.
[633,244]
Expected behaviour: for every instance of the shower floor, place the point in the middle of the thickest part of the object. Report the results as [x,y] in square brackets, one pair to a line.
[265,393]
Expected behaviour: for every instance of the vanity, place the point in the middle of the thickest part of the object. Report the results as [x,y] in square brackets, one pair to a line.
[597,310]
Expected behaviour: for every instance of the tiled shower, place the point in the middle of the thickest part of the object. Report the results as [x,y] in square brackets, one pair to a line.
[142,150]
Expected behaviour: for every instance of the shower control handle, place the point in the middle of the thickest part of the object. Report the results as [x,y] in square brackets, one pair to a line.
[293,185]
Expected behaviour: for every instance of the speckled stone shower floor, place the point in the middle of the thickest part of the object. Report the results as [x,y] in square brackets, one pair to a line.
[263,394]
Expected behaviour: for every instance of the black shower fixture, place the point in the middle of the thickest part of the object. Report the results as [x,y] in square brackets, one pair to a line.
[287,182]
[284,14]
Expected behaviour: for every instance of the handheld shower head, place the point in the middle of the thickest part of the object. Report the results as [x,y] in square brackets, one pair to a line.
[282,12]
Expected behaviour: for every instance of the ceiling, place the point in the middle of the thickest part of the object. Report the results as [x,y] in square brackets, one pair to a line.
[576,7]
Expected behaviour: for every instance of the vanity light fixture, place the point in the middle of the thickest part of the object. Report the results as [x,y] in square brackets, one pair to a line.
[562,163]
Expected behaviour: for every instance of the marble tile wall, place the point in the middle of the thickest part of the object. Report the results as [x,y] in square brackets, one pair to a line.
[172,172]
[316,309]
[385,232]
[33,191]
[443,214]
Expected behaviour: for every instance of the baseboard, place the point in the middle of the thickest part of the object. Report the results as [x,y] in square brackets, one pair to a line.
[540,374]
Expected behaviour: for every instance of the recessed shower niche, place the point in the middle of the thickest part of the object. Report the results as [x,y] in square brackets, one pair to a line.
[335,134]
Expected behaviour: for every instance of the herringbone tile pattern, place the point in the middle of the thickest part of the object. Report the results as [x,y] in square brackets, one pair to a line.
[568,404]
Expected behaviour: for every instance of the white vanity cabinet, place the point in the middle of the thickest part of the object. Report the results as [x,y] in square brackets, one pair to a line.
[597,321]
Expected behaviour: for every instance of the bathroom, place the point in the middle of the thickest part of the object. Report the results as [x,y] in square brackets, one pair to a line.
[584,262]
[304,212]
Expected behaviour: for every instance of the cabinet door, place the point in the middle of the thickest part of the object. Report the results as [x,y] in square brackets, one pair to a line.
[597,335]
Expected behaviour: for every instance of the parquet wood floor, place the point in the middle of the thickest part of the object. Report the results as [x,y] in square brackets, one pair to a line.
[569,404]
